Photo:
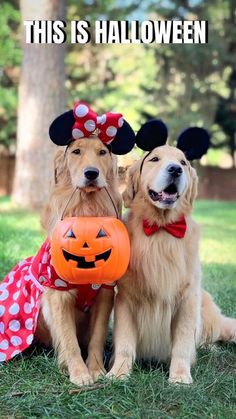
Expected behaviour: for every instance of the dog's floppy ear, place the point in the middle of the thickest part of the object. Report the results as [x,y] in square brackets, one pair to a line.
[194,142]
[124,140]
[61,172]
[132,178]
[152,134]
[193,187]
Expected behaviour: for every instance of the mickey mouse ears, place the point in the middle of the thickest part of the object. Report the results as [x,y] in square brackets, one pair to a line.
[152,134]
[194,141]
[61,128]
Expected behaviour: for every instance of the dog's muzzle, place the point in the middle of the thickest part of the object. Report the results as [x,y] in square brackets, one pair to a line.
[169,195]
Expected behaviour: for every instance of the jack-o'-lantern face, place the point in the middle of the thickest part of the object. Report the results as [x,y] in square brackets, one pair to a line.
[90,249]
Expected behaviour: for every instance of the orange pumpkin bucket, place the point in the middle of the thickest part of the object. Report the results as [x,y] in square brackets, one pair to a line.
[90,250]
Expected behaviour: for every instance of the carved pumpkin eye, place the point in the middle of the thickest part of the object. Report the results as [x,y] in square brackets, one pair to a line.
[70,234]
[101,233]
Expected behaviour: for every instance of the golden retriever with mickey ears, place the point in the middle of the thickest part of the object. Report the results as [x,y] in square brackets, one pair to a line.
[161,311]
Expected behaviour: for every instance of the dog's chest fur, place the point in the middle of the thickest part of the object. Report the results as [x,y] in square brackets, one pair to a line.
[158,278]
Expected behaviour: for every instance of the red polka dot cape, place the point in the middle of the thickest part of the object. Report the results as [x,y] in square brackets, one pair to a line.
[20,295]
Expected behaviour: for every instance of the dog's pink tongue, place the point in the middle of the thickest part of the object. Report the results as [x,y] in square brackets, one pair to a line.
[166,196]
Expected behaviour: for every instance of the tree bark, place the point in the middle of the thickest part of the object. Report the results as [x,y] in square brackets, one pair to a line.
[41,99]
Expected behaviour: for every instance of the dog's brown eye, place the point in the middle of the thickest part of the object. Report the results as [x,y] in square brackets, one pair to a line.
[155,159]
[102,152]
[77,151]
[183,162]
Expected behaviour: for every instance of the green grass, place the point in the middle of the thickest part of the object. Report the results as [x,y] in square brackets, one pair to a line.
[44,391]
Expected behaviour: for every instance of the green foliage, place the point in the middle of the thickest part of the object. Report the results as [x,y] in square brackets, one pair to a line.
[10,58]
[183,84]
[32,386]
[193,79]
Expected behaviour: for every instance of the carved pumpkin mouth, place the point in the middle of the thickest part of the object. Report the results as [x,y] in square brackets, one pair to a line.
[81,260]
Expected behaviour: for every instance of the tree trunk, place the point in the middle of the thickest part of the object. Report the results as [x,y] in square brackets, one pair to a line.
[41,99]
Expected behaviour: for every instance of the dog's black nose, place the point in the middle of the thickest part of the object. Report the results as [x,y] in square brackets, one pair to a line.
[175,170]
[91,173]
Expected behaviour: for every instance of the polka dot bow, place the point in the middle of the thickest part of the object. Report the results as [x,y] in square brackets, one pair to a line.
[87,121]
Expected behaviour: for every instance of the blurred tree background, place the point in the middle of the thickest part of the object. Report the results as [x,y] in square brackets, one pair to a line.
[182,84]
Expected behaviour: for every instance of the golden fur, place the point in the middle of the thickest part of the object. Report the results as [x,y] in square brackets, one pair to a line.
[161,311]
[65,324]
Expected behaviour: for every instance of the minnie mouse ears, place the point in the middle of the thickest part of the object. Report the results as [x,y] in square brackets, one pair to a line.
[60,130]
[83,121]
[194,141]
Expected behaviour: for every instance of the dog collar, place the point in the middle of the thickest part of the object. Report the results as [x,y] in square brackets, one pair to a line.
[177,229]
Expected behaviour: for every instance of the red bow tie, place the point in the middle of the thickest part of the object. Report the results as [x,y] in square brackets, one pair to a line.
[87,121]
[177,229]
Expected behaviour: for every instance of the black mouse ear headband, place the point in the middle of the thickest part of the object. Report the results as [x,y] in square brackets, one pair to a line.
[193,141]
[82,122]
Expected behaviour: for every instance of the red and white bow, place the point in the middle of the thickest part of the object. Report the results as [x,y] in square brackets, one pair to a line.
[87,121]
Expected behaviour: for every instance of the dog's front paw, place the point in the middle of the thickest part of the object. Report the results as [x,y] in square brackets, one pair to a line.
[96,373]
[95,366]
[81,379]
[121,372]
[180,376]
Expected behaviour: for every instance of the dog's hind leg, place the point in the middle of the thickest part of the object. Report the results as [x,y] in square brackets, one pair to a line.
[215,326]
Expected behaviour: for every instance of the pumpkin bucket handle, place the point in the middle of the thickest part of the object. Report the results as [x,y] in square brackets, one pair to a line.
[73,193]
[113,203]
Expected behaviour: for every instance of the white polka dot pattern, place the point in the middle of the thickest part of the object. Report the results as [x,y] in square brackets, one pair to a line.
[81,110]
[111,131]
[2,310]
[77,133]
[29,339]
[120,122]
[4,295]
[96,286]
[4,344]
[27,308]
[29,324]
[3,357]
[14,309]
[16,295]
[60,283]
[2,328]
[101,119]
[90,125]
[87,121]
[16,340]
[20,303]
[14,325]
[19,315]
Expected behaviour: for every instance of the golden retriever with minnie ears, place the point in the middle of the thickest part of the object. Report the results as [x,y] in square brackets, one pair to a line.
[161,311]
[36,301]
